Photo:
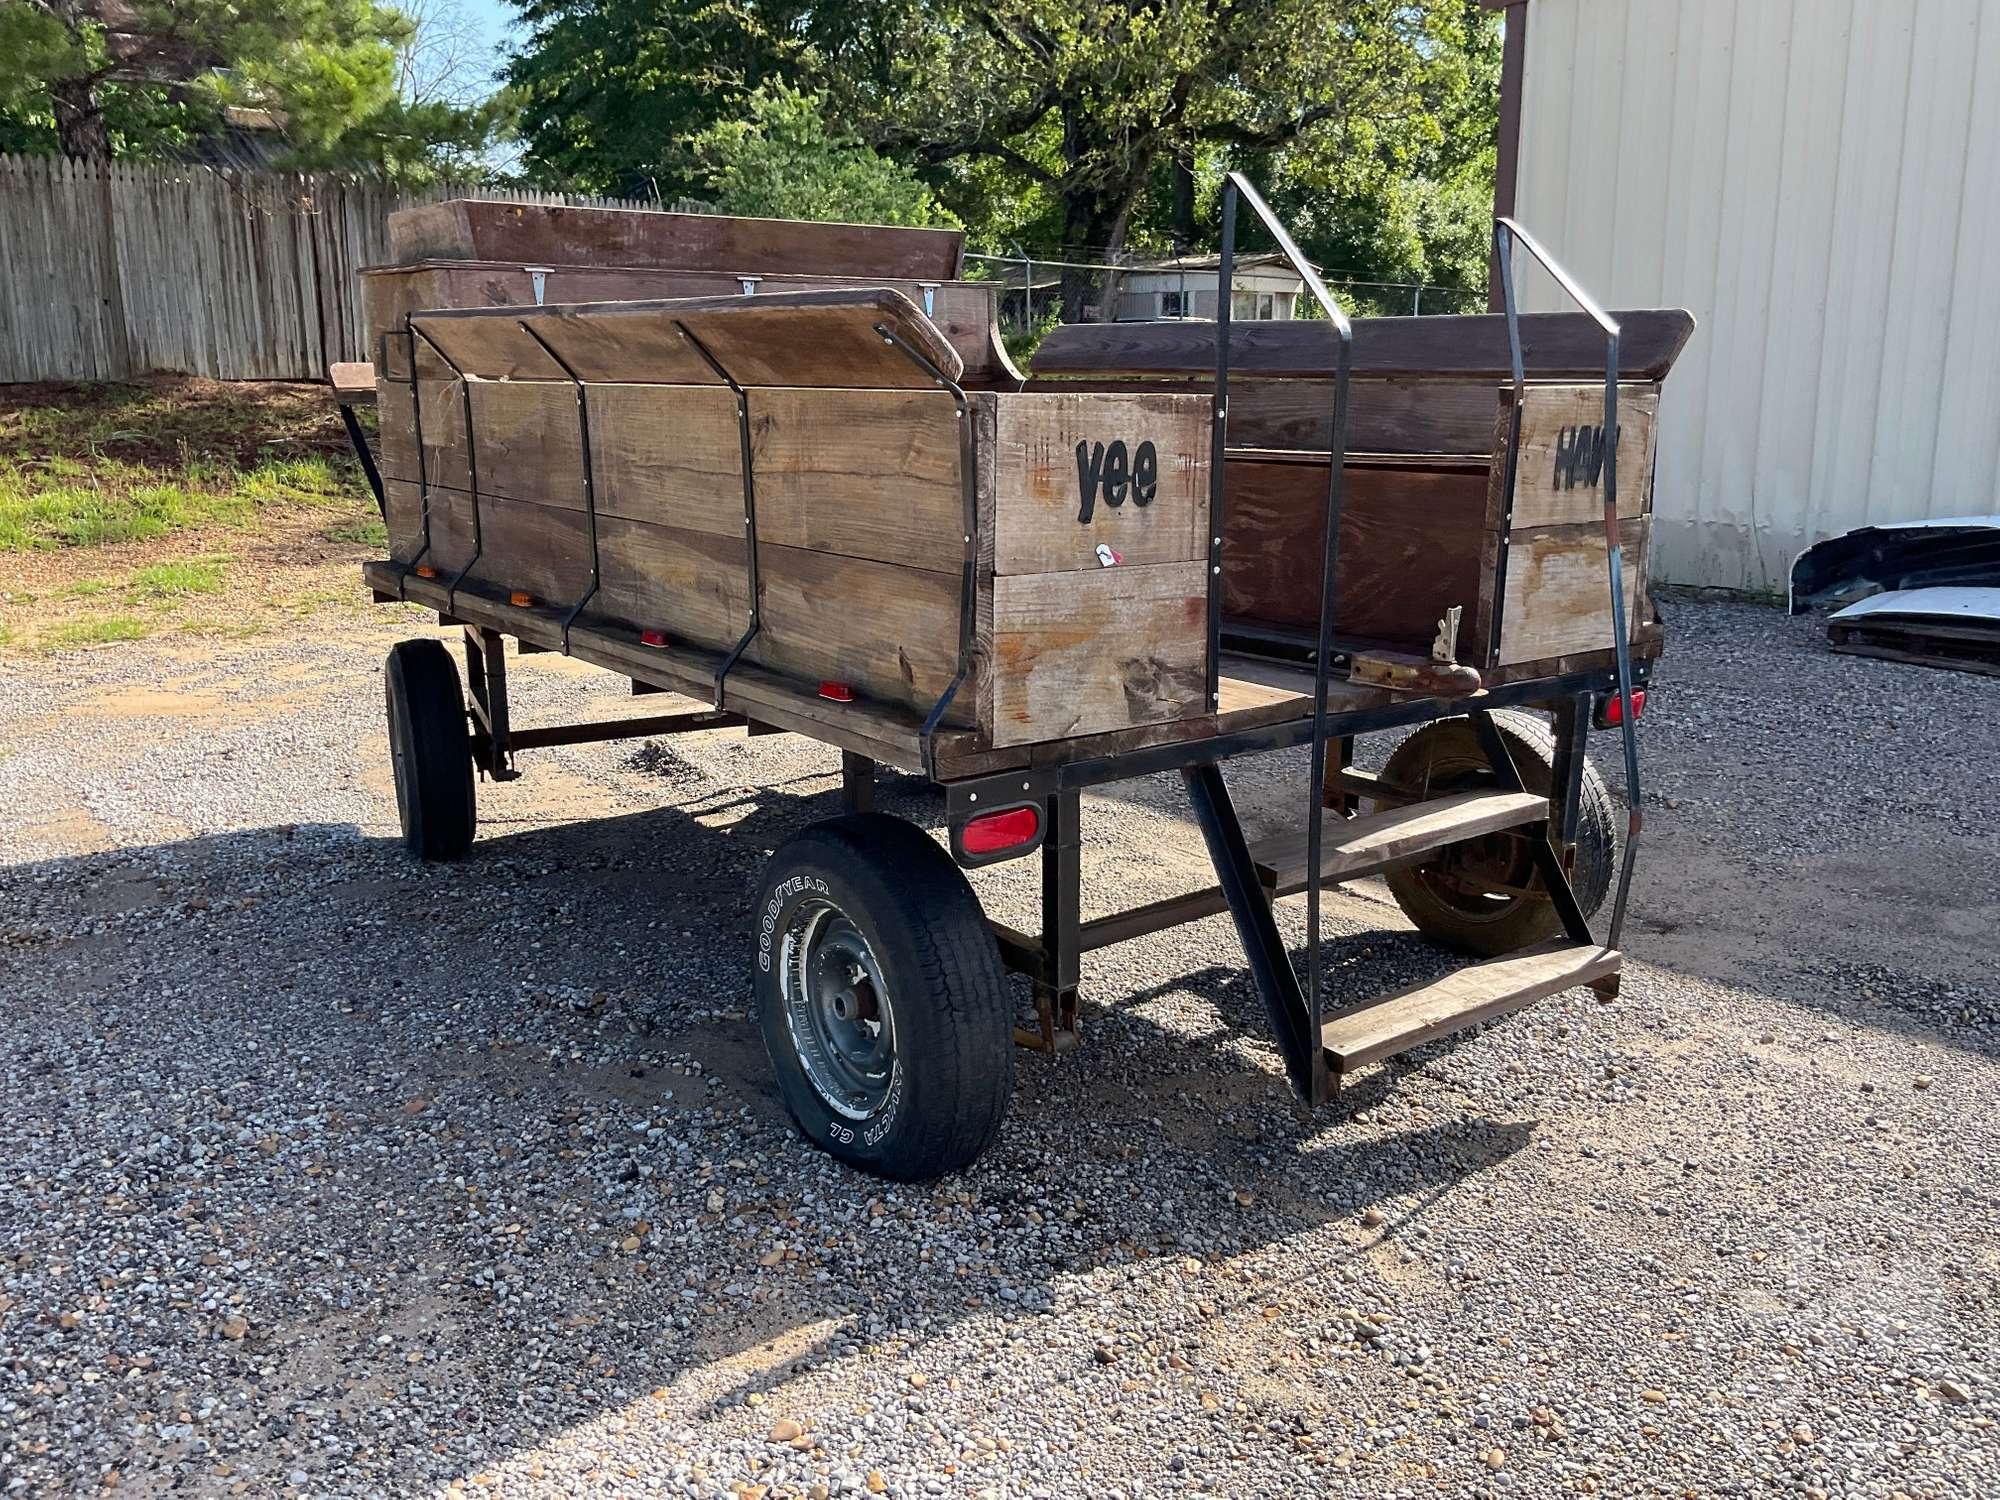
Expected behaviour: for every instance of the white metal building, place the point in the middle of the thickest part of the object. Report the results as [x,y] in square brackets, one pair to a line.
[1819,182]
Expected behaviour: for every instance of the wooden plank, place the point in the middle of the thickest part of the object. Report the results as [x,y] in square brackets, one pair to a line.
[1558,592]
[870,474]
[1076,471]
[787,338]
[1383,416]
[1560,480]
[668,455]
[691,584]
[889,632]
[963,311]
[1409,546]
[547,234]
[353,382]
[1464,998]
[1377,842]
[1554,346]
[1083,653]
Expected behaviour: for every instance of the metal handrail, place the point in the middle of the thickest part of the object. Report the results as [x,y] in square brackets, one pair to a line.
[1237,187]
[1506,234]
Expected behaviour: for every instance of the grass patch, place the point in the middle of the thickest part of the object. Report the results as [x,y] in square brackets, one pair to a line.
[97,630]
[176,580]
[84,466]
[364,531]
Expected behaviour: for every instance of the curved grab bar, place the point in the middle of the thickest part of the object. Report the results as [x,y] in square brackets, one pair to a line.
[1506,235]
[1305,1055]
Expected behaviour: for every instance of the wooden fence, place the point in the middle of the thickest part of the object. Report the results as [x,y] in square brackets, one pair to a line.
[113,270]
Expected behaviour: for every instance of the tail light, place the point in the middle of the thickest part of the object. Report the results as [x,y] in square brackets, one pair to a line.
[1611,709]
[1001,834]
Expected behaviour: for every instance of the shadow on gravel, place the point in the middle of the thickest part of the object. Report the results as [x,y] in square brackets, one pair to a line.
[457,1127]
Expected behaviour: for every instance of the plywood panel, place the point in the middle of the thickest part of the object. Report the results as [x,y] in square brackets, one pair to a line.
[1560,477]
[1410,546]
[1085,653]
[1558,591]
[1073,472]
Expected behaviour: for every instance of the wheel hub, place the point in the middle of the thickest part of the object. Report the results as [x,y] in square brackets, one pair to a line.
[837,1009]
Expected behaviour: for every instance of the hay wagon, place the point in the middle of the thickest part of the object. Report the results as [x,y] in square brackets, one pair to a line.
[788,471]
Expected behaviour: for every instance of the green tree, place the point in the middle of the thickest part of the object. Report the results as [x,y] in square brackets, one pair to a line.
[1094,125]
[153,77]
[785,162]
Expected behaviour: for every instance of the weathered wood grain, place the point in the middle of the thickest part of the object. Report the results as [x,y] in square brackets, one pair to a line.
[1409,545]
[1558,589]
[1551,488]
[1079,653]
[1553,345]
[1142,459]
[538,234]
[889,632]
[668,455]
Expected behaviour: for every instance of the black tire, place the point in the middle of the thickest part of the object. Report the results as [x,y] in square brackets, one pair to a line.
[430,750]
[1440,895]
[925,971]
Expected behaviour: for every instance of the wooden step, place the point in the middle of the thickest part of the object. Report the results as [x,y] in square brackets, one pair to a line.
[1461,999]
[1353,847]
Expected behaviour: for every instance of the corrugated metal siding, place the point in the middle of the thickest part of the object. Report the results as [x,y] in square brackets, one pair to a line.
[1819,182]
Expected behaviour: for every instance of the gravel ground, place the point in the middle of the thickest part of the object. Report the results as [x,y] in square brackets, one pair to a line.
[325,1173]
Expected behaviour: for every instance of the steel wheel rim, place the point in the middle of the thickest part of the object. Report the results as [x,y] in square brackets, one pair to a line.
[837,1010]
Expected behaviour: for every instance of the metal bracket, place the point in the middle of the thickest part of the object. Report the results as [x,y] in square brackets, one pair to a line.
[968,475]
[749,504]
[417,429]
[471,458]
[589,475]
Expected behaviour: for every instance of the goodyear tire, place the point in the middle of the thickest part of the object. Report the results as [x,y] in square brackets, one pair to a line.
[881,998]
[430,750]
[1483,895]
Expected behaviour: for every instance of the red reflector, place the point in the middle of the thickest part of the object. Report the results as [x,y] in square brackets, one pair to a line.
[1614,708]
[989,833]
[836,692]
[654,638]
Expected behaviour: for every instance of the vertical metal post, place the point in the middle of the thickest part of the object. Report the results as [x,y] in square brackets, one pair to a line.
[749,501]
[1572,726]
[1062,906]
[857,782]
[1218,442]
[423,469]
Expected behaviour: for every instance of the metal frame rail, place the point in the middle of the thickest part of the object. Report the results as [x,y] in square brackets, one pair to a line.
[1506,235]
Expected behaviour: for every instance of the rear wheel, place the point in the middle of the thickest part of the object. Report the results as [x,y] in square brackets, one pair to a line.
[881,998]
[1484,895]
[430,750]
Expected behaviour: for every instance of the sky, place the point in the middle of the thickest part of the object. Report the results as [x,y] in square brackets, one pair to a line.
[493,19]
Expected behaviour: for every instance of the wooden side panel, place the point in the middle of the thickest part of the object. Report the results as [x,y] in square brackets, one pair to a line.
[1558,591]
[539,548]
[1383,416]
[554,234]
[889,632]
[668,455]
[1560,480]
[691,584]
[1410,546]
[1087,652]
[868,474]
[1072,472]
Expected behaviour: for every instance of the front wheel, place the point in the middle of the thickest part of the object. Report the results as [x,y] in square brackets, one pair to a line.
[881,998]
[430,750]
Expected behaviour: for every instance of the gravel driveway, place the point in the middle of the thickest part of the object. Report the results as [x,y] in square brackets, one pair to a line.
[322,1172]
